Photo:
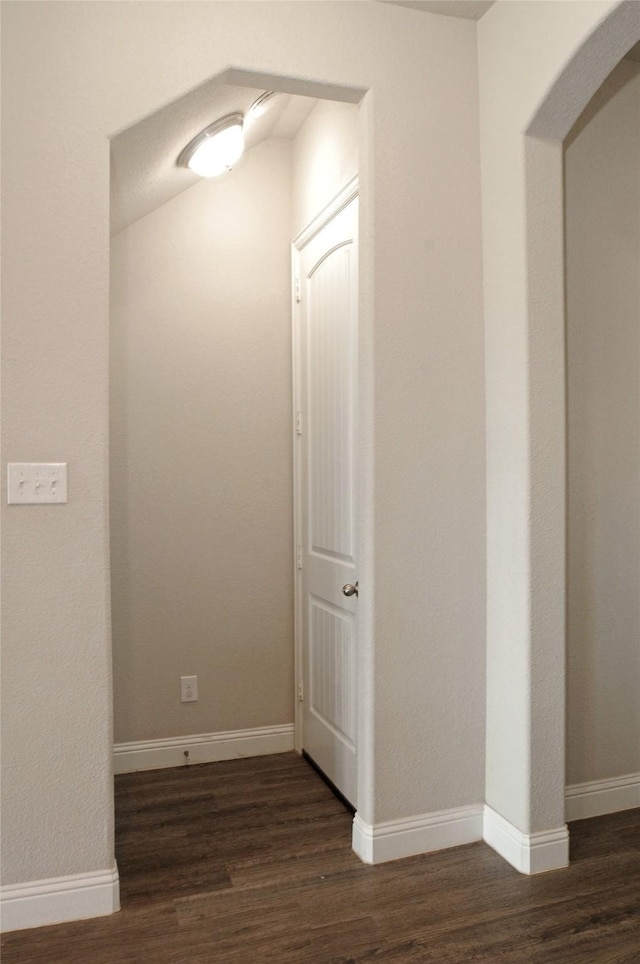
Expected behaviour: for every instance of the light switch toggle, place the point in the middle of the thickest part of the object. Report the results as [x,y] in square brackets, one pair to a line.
[32,483]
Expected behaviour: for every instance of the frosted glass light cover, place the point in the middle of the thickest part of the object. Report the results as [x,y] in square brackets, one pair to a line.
[216,149]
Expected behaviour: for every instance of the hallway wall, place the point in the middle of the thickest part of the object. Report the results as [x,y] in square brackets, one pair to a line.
[602,175]
[539,64]
[325,157]
[201,482]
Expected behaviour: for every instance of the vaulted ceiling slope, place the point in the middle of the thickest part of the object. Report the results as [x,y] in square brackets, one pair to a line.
[144,170]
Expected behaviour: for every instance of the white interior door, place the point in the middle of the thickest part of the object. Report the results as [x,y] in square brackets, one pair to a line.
[326,318]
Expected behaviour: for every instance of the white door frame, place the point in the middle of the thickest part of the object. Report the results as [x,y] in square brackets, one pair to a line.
[337,204]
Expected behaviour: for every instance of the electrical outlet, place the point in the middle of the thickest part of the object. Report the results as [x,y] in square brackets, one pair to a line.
[188,689]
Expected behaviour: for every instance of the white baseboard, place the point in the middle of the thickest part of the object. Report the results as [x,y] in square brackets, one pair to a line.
[530,853]
[59,899]
[416,835]
[202,748]
[599,797]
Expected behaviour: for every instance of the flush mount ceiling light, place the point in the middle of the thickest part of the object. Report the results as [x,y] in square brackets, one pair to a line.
[260,105]
[216,149]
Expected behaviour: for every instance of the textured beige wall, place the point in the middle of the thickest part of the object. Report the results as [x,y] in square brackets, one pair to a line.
[325,157]
[201,491]
[539,64]
[602,175]
[73,75]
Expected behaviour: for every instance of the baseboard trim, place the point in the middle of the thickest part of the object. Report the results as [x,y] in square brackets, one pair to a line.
[599,797]
[202,748]
[530,853]
[416,835]
[59,899]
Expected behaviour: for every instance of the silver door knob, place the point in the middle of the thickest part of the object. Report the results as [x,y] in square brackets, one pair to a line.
[350,590]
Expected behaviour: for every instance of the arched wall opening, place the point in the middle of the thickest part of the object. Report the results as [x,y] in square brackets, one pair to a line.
[552,75]
[602,242]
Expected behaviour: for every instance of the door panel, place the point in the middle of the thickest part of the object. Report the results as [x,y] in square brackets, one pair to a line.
[329,403]
[327,339]
[331,672]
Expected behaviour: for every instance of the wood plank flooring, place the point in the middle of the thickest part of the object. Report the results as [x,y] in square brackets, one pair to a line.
[249,861]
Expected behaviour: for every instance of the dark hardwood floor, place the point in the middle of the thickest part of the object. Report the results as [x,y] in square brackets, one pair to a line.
[249,861]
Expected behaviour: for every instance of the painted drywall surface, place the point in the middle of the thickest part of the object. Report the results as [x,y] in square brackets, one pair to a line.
[602,177]
[325,157]
[201,478]
[76,73]
[537,68]
[428,440]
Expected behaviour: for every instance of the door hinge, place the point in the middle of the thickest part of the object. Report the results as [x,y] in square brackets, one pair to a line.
[298,423]
[296,291]
[300,688]
[299,557]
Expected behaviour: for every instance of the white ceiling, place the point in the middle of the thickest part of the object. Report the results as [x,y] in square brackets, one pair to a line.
[144,172]
[468,9]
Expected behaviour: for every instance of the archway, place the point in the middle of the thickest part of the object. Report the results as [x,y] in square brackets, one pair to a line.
[524,318]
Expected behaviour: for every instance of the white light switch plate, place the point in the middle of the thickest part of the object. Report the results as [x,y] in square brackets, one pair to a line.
[33,482]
